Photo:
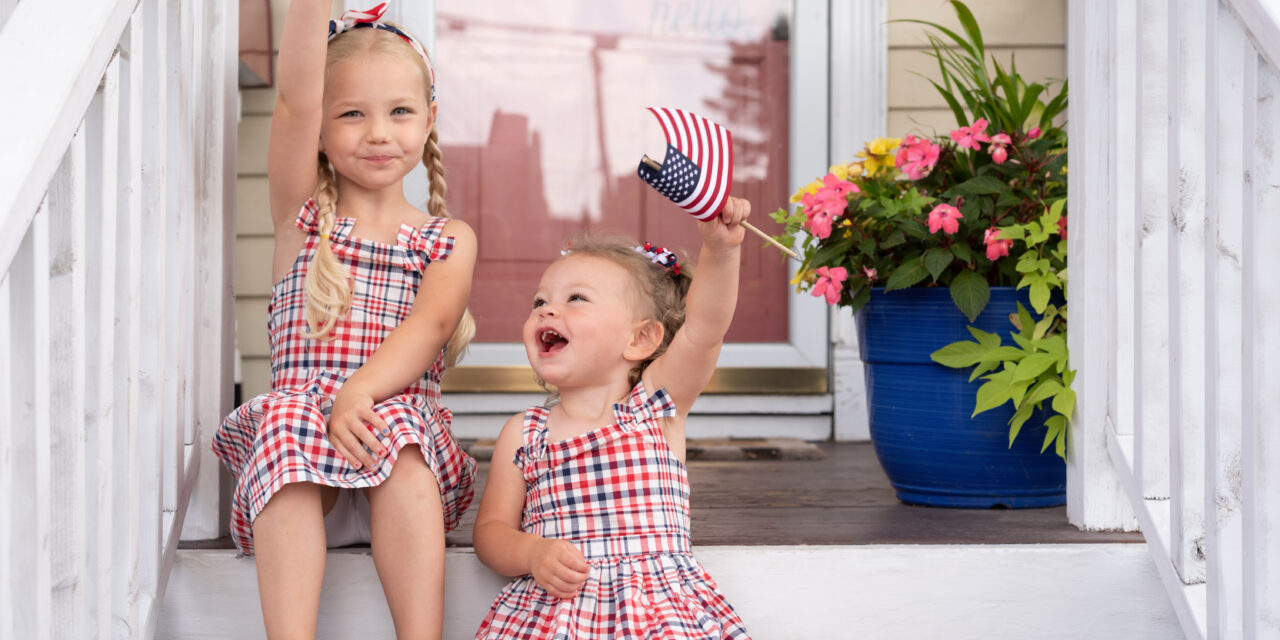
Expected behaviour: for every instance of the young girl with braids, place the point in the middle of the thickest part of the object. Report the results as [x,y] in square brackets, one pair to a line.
[367,311]
[588,499]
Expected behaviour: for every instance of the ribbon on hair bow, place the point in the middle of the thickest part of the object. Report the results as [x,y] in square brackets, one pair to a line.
[356,18]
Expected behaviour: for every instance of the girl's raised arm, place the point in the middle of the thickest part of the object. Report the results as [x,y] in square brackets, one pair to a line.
[690,359]
[295,123]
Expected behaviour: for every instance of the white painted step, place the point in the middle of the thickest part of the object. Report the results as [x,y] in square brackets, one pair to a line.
[894,592]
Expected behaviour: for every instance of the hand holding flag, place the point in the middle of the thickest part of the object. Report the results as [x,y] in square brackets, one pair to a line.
[697,171]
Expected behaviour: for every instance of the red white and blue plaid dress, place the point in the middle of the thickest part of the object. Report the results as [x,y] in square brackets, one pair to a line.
[279,437]
[622,497]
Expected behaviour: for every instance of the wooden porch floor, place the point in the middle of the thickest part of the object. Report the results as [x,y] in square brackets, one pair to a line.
[843,498]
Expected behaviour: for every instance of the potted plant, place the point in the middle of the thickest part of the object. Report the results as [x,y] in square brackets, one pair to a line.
[951,251]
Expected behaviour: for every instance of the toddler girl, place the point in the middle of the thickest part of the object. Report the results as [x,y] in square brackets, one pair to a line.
[367,311]
[588,498]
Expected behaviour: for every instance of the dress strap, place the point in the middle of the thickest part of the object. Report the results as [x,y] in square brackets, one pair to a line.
[534,448]
[427,244]
[308,217]
[643,407]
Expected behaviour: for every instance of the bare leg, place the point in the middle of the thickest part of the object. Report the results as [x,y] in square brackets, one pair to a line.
[408,545]
[289,549]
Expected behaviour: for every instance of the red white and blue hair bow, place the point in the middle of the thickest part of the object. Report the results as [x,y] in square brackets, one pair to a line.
[660,257]
[355,19]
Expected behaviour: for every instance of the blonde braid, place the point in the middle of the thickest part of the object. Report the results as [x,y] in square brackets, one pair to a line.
[434,161]
[327,291]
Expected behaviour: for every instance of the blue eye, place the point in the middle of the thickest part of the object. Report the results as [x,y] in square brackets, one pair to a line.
[400,111]
[351,114]
[538,302]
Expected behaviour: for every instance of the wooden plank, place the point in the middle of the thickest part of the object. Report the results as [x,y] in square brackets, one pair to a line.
[71,63]
[8,484]
[1262,367]
[1029,24]
[1230,53]
[1095,499]
[39,420]
[1261,21]
[1123,243]
[103,251]
[1151,406]
[215,235]
[126,450]
[66,552]
[1187,176]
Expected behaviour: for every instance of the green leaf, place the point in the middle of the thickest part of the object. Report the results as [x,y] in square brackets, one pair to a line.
[861,298]
[959,355]
[993,393]
[1039,294]
[1015,423]
[970,26]
[1064,402]
[1033,365]
[962,251]
[896,238]
[908,273]
[936,261]
[1056,433]
[981,185]
[970,292]
[988,340]
[1042,391]
[983,367]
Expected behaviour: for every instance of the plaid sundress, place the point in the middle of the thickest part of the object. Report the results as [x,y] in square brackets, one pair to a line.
[622,497]
[279,437]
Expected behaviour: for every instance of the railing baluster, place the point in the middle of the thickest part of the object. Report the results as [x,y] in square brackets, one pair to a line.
[1151,415]
[1230,53]
[1261,476]
[1187,168]
[8,483]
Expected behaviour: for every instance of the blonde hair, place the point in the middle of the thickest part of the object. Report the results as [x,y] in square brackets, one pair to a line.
[327,288]
[658,291]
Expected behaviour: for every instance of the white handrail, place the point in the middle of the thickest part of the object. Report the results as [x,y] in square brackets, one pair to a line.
[1176,196]
[116,199]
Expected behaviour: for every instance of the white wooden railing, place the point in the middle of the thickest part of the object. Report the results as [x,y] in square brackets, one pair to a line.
[117,164]
[1175,296]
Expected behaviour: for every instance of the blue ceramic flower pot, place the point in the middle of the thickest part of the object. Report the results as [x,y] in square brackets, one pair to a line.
[932,451]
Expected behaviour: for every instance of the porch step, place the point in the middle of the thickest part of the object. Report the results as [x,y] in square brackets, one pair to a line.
[1068,591]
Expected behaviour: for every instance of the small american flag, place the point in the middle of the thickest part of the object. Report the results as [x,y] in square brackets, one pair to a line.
[698,168]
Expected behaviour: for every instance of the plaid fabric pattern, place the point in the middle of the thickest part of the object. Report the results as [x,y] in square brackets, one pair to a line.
[622,497]
[279,437]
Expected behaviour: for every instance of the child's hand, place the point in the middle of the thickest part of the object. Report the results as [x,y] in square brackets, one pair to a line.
[353,425]
[559,567]
[725,230]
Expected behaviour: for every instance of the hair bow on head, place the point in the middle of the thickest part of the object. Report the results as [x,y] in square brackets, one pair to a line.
[660,257]
[355,19]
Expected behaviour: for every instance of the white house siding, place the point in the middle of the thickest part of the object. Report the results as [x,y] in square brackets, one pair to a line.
[1031,32]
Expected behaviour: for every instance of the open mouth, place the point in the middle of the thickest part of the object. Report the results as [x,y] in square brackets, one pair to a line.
[549,341]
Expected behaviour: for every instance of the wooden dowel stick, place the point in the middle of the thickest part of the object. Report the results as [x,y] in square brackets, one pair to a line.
[749,227]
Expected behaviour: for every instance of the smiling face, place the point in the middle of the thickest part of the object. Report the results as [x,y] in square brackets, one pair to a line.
[583,326]
[376,119]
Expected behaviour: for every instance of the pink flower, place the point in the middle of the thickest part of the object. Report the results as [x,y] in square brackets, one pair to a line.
[999,147]
[820,224]
[1062,226]
[837,187]
[996,248]
[871,274]
[945,217]
[1033,134]
[830,282]
[916,156]
[969,137]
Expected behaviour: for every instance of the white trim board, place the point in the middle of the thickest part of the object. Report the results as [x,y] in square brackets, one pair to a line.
[810,592]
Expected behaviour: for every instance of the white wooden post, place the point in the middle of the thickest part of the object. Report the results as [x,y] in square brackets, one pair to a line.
[1231,55]
[1261,376]
[1152,401]
[859,114]
[1187,177]
[1094,496]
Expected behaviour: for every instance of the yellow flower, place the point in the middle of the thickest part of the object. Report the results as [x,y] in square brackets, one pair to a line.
[878,154]
[812,187]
